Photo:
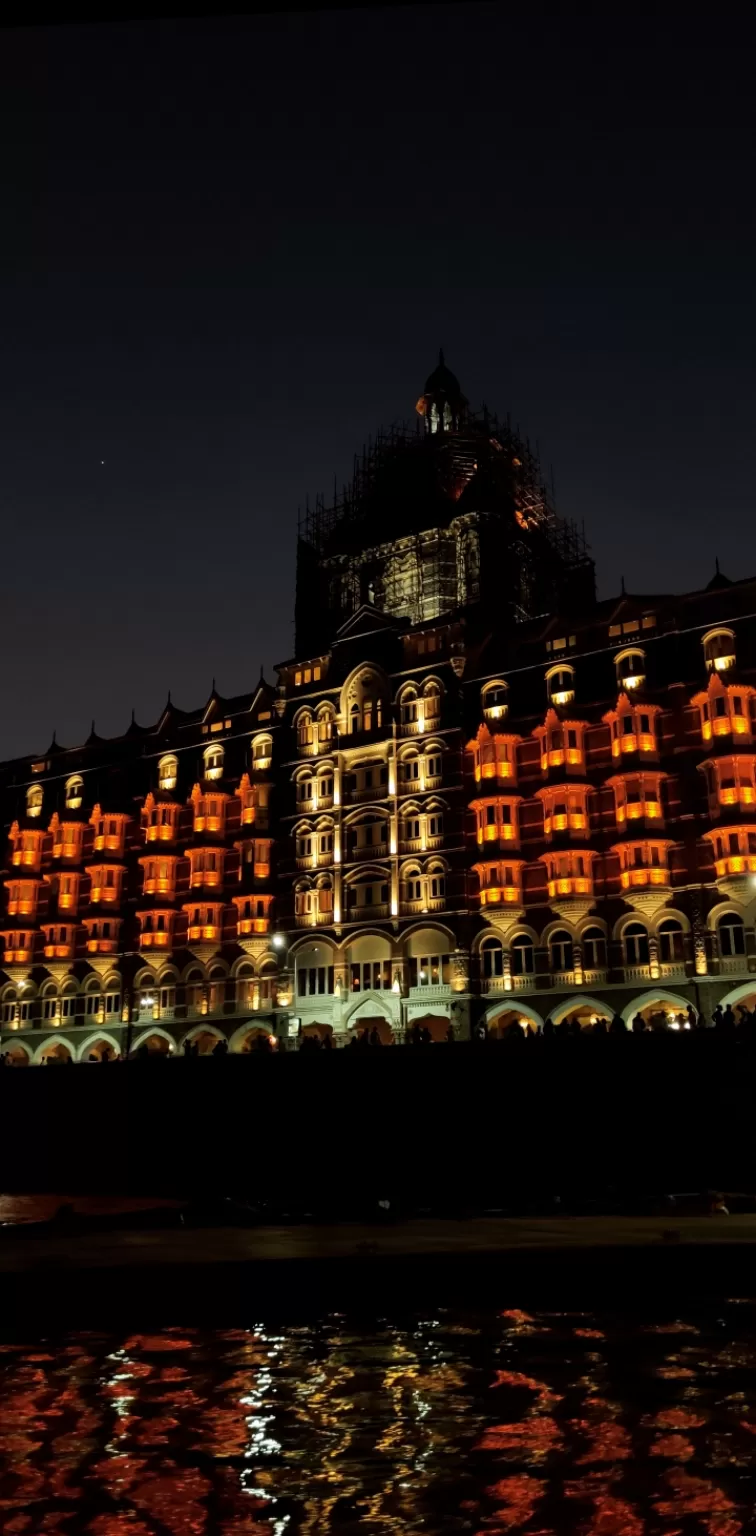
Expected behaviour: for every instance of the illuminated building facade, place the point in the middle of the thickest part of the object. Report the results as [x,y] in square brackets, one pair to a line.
[476,794]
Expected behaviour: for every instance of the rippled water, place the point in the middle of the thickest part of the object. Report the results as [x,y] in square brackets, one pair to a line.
[441,1422]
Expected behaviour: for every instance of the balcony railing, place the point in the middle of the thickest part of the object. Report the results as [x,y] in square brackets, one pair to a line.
[672,970]
[732,965]
[369,851]
[365,914]
[430,992]
[433,904]
[370,792]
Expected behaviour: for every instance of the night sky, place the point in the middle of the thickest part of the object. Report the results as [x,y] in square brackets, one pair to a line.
[230,250]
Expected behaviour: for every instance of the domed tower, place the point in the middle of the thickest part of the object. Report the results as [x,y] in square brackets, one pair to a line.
[442,404]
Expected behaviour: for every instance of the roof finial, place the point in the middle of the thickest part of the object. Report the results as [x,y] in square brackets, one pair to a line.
[440,357]
[55,737]
[716,562]
[213,687]
[93,729]
[622,581]
[133,715]
[169,695]
[261,671]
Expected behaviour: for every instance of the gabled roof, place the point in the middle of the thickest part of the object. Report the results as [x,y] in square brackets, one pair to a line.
[365,621]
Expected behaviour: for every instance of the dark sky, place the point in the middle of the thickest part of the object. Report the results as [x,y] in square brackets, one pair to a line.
[231,249]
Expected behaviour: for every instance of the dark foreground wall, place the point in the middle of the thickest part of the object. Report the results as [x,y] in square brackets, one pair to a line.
[497,1123]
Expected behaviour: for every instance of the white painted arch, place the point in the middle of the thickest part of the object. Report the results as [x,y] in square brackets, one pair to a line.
[655,995]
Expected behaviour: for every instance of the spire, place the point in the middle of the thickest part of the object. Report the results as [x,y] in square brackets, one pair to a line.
[442,402]
[622,586]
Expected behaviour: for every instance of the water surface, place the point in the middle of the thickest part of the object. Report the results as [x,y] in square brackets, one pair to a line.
[437,1421]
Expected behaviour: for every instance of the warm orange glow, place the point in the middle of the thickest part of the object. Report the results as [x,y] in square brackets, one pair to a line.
[159,875]
[106,883]
[22,898]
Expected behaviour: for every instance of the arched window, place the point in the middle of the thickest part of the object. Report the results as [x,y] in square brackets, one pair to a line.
[719,650]
[168,772]
[560,950]
[432,704]
[305,733]
[74,793]
[325,724]
[731,934]
[409,706]
[34,797]
[262,749]
[355,720]
[213,762]
[630,666]
[492,958]
[523,955]
[635,939]
[560,684]
[493,698]
[305,789]
[670,941]
[594,949]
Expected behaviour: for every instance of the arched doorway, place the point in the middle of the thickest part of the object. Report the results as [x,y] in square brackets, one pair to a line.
[361,1028]
[659,1011]
[436,1024]
[55,1053]
[154,1043]
[17,1056]
[98,1050]
[253,1041]
[509,1023]
[201,1041]
[585,1012]
[312,1037]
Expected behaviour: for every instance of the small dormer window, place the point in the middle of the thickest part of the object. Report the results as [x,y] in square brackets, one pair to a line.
[168,772]
[34,797]
[719,650]
[560,685]
[74,793]
[494,700]
[631,668]
[213,762]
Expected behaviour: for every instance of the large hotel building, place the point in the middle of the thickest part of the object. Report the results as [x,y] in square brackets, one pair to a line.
[475,795]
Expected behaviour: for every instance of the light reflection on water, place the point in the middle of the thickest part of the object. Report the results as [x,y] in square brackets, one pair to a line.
[487,1423]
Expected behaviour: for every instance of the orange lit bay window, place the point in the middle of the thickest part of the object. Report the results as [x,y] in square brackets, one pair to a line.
[205,922]
[26,847]
[724,710]
[633,727]
[256,853]
[102,935]
[60,941]
[496,819]
[252,914]
[68,839]
[156,930]
[565,809]
[561,743]
[66,887]
[209,811]
[19,946]
[206,867]
[734,850]
[159,874]
[254,802]
[159,820]
[494,755]
[500,882]
[107,880]
[731,781]
[643,863]
[109,831]
[23,896]
[637,797]
[569,873]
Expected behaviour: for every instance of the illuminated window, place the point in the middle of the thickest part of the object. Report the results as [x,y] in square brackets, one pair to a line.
[492,958]
[493,700]
[719,650]
[212,759]
[522,955]
[325,725]
[305,731]
[74,793]
[731,930]
[560,684]
[408,707]
[262,752]
[34,798]
[168,772]
[594,949]
[630,667]
[635,941]
[560,951]
[671,951]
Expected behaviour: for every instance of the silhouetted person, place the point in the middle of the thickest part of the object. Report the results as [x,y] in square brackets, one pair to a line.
[728,1020]
[415,1033]
[639,1024]
[375,1038]
[600,1028]
[481,1034]
[327,1042]
[449,1036]
[187,1047]
[692,1016]
[425,1036]
[548,1029]
[355,1040]
[575,1028]
[220,1048]
[717,1017]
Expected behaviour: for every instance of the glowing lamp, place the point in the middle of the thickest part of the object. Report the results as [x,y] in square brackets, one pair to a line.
[278,941]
